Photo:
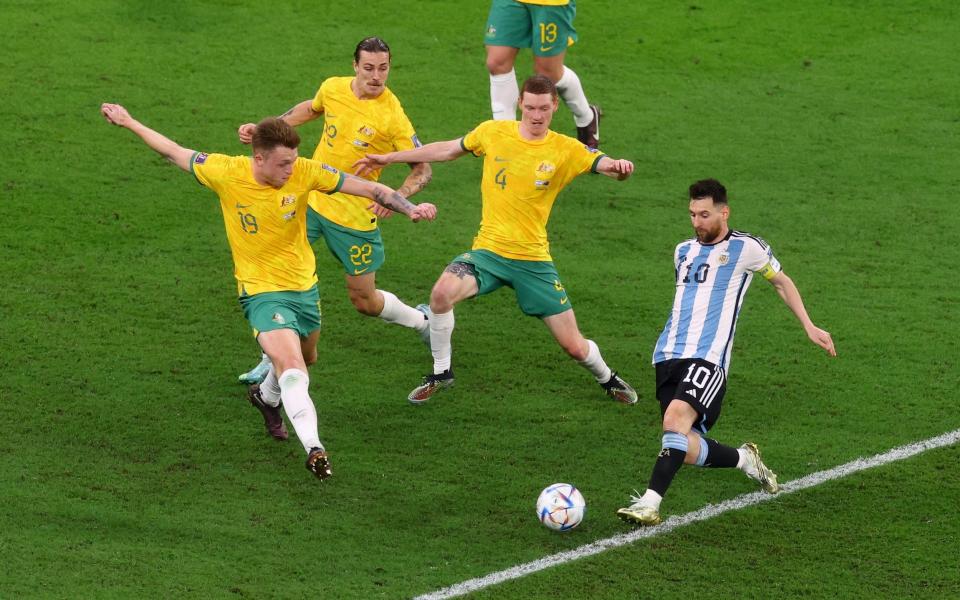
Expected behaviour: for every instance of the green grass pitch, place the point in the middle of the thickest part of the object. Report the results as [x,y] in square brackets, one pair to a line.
[131,465]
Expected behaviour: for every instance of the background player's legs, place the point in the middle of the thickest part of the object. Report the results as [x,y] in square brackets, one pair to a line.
[568,86]
[257,373]
[370,301]
[290,356]
[504,91]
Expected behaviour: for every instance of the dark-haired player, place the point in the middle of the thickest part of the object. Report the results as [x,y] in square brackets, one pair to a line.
[360,115]
[713,271]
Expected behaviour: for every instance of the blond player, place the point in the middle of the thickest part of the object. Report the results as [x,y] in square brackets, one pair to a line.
[360,115]
[524,168]
[264,199]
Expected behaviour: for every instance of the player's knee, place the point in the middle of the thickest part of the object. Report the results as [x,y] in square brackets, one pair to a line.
[553,71]
[442,297]
[674,422]
[498,65]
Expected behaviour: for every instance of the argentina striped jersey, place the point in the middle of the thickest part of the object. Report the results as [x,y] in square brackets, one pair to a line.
[711,281]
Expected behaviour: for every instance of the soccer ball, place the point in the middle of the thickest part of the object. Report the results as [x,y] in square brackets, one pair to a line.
[561,507]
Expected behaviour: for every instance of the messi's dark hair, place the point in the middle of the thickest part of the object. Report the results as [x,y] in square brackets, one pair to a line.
[709,188]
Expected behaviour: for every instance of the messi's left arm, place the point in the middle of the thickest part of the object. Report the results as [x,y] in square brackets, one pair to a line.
[791,297]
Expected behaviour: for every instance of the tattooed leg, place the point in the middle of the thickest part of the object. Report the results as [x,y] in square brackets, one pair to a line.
[461,270]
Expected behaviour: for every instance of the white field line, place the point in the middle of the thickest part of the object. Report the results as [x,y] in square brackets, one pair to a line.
[707,512]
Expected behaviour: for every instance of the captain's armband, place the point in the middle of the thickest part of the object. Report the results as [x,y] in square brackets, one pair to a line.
[768,271]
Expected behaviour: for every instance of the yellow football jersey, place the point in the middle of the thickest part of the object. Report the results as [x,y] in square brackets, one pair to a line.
[266,226]
[353,128]
[521,180]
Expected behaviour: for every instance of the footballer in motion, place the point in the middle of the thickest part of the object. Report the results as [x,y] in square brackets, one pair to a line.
[713,271]
[263,199]
[525,166]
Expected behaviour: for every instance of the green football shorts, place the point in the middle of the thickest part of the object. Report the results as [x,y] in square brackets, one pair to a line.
[535,282]
[299,311]
[547,30]
[358,251]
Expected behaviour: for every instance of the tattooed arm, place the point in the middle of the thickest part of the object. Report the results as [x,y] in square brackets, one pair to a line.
[298,115]
[387,197]
[420,175]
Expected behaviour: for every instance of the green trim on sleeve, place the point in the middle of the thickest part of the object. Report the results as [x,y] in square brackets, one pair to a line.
[593,167]
[192,171]
[465,149]
[339,183]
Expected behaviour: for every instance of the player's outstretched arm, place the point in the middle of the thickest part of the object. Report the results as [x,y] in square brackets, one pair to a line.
[618,168]
[420,175]
[298,115]
[165,147]
[387,197]
[791,297]
[435,152]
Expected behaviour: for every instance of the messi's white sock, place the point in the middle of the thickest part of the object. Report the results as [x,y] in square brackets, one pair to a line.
[651,498]
[741,459]
[270,389]
[571,91]
[594,363]
[395,311]
[504,95]
[294,386]
[441,330]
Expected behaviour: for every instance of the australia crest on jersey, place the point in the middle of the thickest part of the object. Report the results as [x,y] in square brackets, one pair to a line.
[364,131]
[545,171]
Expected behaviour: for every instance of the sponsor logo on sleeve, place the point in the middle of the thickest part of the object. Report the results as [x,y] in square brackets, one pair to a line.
[329,168]
[201,158]
[416,141]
